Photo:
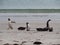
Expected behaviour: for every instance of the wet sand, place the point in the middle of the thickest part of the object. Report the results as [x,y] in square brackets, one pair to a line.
[15,36]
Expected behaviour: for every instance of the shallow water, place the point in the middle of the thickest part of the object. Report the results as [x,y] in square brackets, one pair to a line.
[29,17]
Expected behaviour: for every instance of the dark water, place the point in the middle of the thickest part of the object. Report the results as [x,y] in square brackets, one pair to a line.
[29,10]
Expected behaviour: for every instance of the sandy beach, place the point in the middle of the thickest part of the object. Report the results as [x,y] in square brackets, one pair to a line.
[29,22]
[29,37]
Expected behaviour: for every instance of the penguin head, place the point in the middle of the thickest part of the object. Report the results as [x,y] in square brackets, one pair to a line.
[8,19]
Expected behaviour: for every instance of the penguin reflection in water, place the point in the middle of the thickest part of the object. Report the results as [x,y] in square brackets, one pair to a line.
[10,24]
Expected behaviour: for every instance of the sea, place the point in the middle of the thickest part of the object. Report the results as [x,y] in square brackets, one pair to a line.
[29,15]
